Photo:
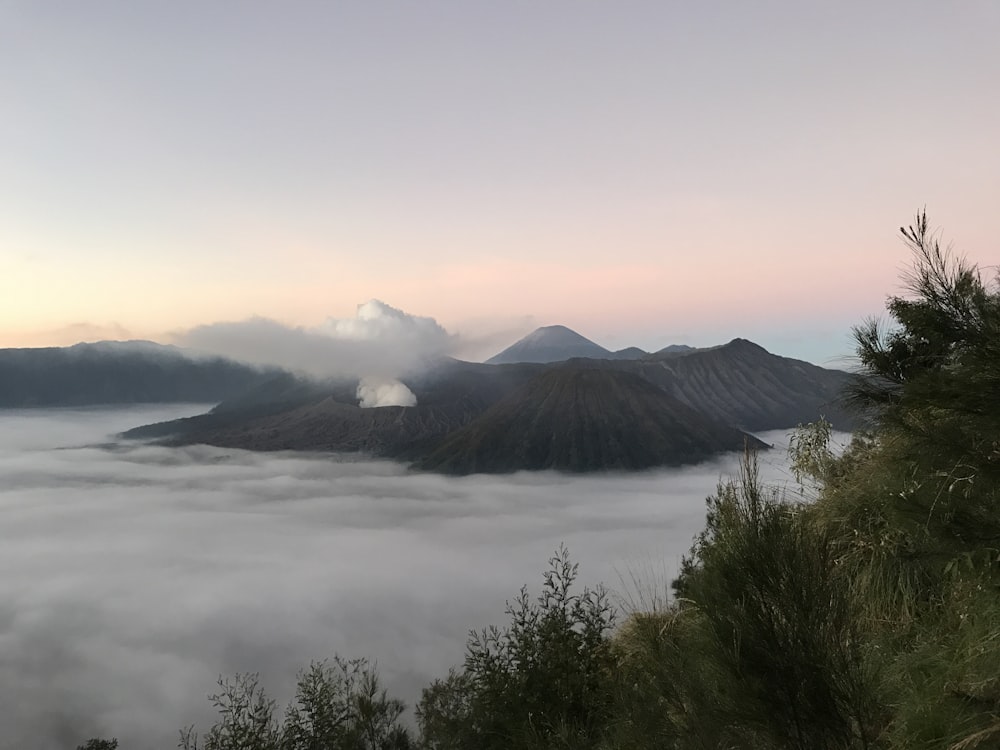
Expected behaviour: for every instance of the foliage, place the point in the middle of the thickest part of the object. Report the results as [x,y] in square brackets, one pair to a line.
[543,681]
[810,454]
[934,375]
[670,694]
[445,713]
[338,705]
[99,744]
[779,620]
[913,509]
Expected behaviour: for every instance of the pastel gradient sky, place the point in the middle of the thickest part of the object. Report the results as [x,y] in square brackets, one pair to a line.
[644,172]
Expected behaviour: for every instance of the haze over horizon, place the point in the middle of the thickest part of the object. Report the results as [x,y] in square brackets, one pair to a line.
[647,174]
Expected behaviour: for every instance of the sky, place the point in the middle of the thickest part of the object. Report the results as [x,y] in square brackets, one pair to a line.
[646,173]
[133,575]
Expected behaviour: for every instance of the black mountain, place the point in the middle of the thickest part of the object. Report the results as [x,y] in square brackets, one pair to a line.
[469,416]
[580,419]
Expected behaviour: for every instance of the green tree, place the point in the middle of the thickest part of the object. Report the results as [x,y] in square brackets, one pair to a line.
[913,510]
[99,744]
[543,681]
[246,718]
[339,705]
[933,374]
[777,623]
[445,713]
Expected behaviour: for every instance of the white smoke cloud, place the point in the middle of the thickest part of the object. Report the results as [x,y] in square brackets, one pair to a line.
[377,321]
[379,341]
[381,392]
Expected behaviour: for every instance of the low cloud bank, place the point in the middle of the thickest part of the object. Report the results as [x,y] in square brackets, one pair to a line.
[132,576]
[379,341]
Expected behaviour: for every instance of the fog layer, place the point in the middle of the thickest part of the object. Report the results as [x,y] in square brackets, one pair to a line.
[131,575]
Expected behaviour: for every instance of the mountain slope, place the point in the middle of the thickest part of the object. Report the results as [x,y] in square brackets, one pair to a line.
[117,372]
[550,344]
[756,390]
[583,419]
[479,417]
[631,352]
[327,425]
[743,384]
[674,349]
[293,415]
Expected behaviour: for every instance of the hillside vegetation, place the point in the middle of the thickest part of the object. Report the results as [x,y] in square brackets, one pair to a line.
[862,614]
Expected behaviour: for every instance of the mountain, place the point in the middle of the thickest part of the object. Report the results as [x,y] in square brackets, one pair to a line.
[559,343]
[675,349]
[480,418]
[679,406]
[118,372]
[632,352]
[745,385]
[291,414]
[328,424]
[550,344]
[756,390]
[579,419]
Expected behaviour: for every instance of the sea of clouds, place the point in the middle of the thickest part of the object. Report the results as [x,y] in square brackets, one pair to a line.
[132,575]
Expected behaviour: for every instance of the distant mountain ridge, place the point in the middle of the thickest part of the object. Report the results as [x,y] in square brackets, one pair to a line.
[580,414]
[745,385]
[675,349]
[570,416]
[118,372]
[558,344]
[549,344]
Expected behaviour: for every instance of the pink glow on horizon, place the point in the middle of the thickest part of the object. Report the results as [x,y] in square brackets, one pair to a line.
[677,170]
